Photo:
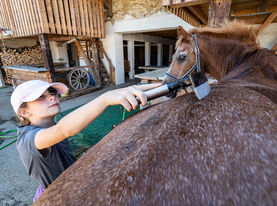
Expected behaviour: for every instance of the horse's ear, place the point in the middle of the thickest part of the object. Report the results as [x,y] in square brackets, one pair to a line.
[182,32]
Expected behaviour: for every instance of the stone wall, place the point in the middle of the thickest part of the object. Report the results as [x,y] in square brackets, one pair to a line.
[135,8]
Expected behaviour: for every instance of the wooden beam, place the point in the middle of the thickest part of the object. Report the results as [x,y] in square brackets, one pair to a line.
[47,55]
[185,15]
[183,3]
[265,4]
[258,19]
[219,11]
[271,8]
[267,22]
[71,41]
[62,38]
[96,78]
[253,11]
[108,5]
[95,57]
[110,11]
[241,12]
[196,11]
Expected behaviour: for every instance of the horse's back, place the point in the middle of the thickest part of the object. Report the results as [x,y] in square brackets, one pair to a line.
[220,150]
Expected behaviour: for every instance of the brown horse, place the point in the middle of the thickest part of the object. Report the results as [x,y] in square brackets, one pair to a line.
[221,150]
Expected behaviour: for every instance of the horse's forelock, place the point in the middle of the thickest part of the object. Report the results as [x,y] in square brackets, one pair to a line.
[179,41]
[232,30]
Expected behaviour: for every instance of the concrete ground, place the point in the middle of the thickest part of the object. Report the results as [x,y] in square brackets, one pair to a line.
[16,187]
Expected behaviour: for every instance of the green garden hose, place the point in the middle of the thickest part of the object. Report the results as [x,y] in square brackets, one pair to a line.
[7,137]
[124,110]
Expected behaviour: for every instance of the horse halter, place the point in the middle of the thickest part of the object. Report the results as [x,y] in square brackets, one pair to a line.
[196,65]
[198,80]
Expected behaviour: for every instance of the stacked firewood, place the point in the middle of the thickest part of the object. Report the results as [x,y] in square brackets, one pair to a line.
[25,56]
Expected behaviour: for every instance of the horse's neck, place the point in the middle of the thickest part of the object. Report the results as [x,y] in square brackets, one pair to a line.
[258,68]
[229,59]
[214,53]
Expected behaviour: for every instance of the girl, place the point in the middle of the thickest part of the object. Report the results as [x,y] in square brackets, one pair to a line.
[42,145]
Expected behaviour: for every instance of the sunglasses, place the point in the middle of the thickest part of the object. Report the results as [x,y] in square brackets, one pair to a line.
[51,90]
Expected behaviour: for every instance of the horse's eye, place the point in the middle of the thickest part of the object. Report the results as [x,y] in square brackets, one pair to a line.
[181,57]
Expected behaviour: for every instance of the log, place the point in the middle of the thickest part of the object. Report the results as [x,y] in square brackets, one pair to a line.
[47,55]
[219,11]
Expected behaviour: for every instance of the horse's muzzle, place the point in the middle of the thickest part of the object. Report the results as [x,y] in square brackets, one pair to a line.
[172,94]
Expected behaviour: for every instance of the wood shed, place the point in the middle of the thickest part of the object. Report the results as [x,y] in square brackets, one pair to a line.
[75,26]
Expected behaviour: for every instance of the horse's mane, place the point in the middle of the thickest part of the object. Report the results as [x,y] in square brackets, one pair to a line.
[235,30]
[231,30]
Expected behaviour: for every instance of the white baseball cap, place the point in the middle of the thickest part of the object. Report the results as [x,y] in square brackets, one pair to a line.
[33,89]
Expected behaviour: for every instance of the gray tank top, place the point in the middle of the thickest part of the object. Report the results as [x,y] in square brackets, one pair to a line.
[43,166]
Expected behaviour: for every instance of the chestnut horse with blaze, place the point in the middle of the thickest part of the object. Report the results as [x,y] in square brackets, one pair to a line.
[221,150]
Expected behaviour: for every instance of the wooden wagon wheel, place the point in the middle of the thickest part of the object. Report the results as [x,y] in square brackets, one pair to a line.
[78,79]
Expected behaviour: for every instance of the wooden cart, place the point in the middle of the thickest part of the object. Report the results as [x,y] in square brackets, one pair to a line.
[77,77]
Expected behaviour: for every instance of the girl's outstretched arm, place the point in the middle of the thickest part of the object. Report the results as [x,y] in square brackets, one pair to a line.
[78,119]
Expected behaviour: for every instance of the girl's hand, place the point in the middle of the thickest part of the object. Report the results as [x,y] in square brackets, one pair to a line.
[127,96]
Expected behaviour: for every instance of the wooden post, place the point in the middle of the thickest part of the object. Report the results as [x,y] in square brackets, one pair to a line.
[95,57]
[160,54]
[219,11]
[131,58]
[2,82]
[77,55]
[147,53]
[47,55]
[95,75]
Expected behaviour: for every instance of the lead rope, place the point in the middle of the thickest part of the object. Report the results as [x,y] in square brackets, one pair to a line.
[197,53]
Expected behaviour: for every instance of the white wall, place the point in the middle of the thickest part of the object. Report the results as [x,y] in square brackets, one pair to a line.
[157,22]
[268,38]
[59,52]
[113,45]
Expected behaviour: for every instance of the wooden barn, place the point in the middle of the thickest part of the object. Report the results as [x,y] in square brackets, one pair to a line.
[57,34]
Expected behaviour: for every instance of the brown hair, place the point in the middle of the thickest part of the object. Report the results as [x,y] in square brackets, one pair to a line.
[22,120]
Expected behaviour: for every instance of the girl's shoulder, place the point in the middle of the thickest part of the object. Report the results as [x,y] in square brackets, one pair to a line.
[26,134]
[22,130]
[25,139]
